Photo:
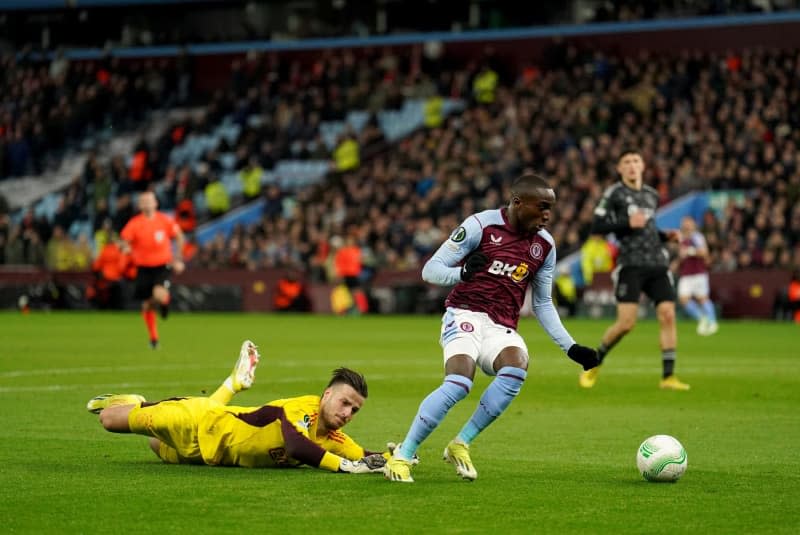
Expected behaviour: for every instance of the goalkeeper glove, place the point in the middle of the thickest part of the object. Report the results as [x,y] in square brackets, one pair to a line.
[474,262]
[366,465]
[391,446]
[585,356]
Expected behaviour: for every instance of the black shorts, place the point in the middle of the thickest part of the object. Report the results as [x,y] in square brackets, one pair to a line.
[147,278]
[656,282]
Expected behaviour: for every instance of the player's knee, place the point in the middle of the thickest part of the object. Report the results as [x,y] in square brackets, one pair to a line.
[455,388]
[155,446]
[666,315]
[510,379]
[160,293]
[516,358]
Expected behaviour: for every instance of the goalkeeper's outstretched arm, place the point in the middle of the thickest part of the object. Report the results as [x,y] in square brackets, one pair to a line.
[300,448]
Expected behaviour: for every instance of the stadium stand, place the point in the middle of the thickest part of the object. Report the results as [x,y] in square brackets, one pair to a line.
[291,155]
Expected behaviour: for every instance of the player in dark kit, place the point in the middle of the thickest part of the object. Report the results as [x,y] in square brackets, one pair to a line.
[628,210]
[491,258]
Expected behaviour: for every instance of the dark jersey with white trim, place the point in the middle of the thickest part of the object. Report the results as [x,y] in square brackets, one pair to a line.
[640,247]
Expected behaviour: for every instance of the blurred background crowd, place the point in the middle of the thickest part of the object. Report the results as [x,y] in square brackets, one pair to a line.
[382,151]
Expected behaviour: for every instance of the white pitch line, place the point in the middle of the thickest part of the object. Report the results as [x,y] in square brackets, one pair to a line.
[100,369]
[755,370]
[152,386]
[284,363]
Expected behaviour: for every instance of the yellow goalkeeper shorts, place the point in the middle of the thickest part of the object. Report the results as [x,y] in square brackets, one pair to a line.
[173,422]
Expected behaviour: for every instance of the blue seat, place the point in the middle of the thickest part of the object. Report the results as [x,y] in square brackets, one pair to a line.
[227,160]
[357,119]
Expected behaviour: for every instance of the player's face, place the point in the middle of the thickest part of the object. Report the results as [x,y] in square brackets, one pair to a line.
[339,404]
[147,202]
[631,167]
[533,211]
[687,225]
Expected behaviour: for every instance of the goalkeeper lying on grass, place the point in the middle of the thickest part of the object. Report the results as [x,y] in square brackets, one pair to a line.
[284,432]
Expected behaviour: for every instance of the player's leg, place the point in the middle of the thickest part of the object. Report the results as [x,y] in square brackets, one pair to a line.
[509,370]
[627,289]
[155,445]
[624,323]
[460,353]
[459,372]
[170,455]
[703,291]
[161,294]
[461,343]
[144,291]
[627,314]
[710,314]
[149,316]
[668,338]
[685,298]
[667,332]
[242,376]
[161,297]
[661,290]
[173,423]
[691,292]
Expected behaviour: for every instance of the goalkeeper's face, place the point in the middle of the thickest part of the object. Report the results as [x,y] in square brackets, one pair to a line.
[339,404]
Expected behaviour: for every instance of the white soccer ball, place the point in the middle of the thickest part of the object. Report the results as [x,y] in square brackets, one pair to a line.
[661,458]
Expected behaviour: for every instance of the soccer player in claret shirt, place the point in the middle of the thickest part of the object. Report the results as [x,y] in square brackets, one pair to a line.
[693,285]
[148,237]
[491,258]
[628,209]
[282,433]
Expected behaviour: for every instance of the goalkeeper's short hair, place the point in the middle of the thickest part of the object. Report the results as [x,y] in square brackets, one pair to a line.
[349,377]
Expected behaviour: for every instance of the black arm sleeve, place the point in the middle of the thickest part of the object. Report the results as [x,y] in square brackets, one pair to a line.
[299,447]
[610,216]
[601,225]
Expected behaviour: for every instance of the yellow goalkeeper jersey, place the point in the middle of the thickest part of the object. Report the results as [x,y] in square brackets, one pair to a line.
[281,433]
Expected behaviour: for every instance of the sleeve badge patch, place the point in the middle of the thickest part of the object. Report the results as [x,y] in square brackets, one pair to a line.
[459,235]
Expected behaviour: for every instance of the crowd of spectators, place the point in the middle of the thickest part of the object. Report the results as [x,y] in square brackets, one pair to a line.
[703,122]
[628,10]
[50,106]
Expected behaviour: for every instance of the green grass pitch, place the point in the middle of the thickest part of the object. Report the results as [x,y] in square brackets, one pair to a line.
[560,460]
